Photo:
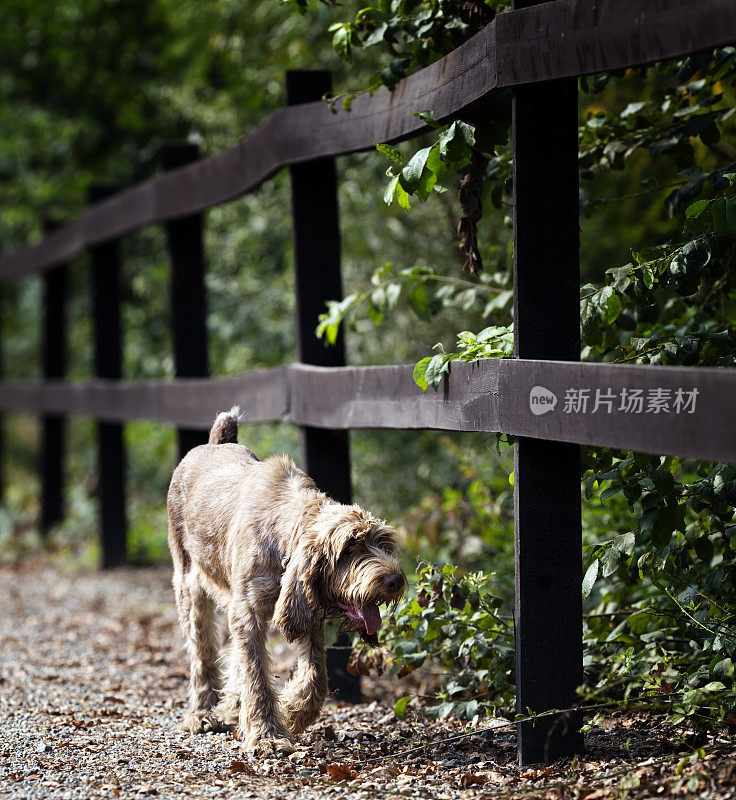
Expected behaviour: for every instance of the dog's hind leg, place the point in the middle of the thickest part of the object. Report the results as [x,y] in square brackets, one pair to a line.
[197,618]
[260,726]
[228,709]
[304,695]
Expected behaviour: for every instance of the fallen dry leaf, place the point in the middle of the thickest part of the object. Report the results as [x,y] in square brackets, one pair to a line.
[470,779]
[240,766]
[340,772]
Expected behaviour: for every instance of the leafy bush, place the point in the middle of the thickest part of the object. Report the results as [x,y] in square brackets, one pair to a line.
[452,619]
[652,636]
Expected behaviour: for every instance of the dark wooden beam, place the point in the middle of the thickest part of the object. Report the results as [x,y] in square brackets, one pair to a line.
[108,355]
[547,514]
[188,299]
[496,395]
[325,453]
[53,425]
[545,42]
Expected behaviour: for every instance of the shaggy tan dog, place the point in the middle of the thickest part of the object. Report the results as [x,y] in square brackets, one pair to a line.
[259,541]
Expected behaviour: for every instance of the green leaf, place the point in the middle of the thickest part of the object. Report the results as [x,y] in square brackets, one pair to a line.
[591,576]
[391,153]
[613,309]
[620,278]
[663,528]
[402,197]
[605,297]
[374,313]
[412,172]
[611,491]
[388,194]
[427,117]
[611,561]
[419,301]
[648,518]
[378,298]
[434,169]
[663,481]
[376,35]
[696,209]
[393,291]
[723,670]
[625,544]
[342,40]
[419,375]
[647,275]
[328,329]
[633,108]
[723,211]
[455,144]
[438,365]
[400,707]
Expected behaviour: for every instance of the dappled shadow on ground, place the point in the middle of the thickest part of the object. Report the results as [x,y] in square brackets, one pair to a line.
[93,682]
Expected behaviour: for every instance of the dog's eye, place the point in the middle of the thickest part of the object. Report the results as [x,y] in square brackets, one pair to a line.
[350,550]
[385,542]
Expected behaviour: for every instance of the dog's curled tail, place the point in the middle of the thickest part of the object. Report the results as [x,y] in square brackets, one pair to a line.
[225,428]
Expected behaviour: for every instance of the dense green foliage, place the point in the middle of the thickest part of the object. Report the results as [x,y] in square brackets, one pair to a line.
[661,566]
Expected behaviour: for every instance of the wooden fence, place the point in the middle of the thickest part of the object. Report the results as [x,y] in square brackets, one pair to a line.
[545,397]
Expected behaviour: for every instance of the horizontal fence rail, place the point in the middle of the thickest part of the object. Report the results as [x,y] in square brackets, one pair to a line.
[541,43]
[685,411]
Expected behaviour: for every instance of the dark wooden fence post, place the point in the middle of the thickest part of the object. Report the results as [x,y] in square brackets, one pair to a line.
[548,615]
[108,355]
[188,299]
[325,453]
[54,367]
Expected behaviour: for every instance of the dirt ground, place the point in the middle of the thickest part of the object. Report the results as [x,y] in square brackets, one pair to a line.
[93,683]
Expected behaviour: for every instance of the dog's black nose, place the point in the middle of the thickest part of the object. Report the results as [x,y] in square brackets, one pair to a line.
[394,583]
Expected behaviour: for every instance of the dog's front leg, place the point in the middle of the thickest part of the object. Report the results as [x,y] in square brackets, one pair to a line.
[260,726]
[304,695]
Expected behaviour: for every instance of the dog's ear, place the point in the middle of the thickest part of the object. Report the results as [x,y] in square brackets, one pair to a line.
[297,604]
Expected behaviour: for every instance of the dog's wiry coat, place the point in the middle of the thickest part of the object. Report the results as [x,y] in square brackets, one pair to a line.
[259,540]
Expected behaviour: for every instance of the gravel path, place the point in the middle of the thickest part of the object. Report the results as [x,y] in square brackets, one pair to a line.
[93,682]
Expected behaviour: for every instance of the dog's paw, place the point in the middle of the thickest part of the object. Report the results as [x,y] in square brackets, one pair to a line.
[264,748]
[274,747]
[203,722]
[228,711]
